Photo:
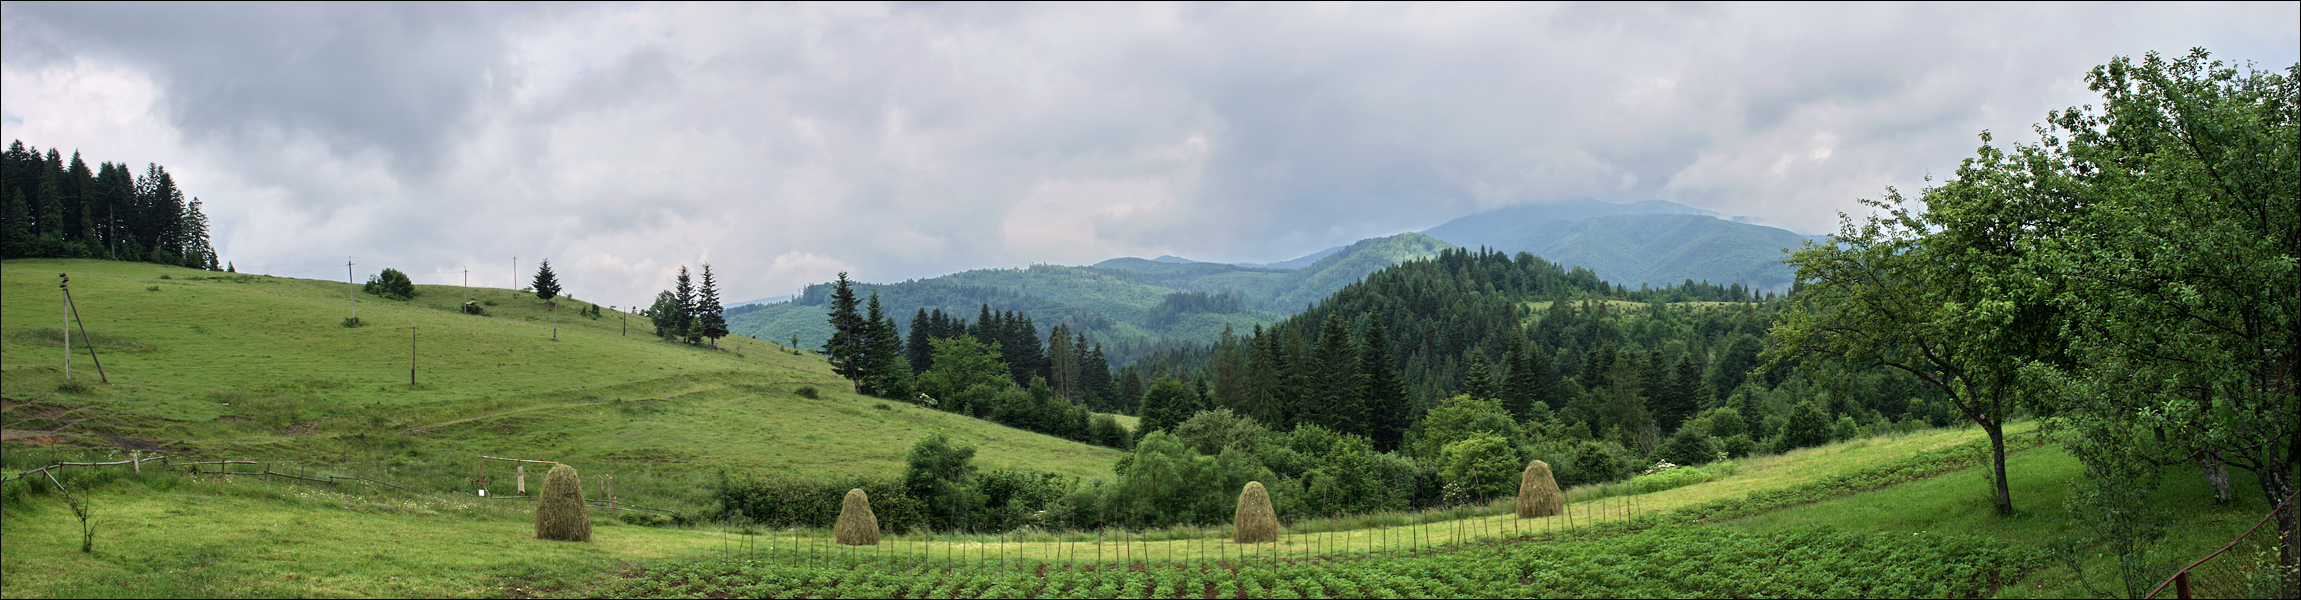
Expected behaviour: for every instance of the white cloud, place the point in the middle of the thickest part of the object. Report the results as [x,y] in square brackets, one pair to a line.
[786,143]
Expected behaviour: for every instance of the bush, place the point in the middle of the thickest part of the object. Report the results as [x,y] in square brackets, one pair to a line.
[1106,431]
[808,392]
[1668,479]
[472,308]
[795,502]
[1478,469]
[391,283]
[1688,447]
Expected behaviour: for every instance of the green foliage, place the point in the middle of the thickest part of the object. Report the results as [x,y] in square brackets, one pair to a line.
[391,283]
[1167,404]
[1688,447]
[1211,432]
[546,283]
[1479,469]
[1461,418]
[1667,479]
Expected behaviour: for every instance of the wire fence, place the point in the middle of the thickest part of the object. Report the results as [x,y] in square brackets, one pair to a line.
[2180,579]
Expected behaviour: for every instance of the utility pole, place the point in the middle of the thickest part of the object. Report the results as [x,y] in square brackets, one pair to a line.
[352,291]
[72,315]
[62,279]
[626,321]
[411,356]
[467,285]
[515,271]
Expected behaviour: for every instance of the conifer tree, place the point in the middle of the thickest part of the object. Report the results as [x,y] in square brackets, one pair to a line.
[709,315]
[1388,412]
[1339,397]
[850,335]
[1062,364]
[546,283]
[884,371]
[683,289]
[919,348]
[1265,367]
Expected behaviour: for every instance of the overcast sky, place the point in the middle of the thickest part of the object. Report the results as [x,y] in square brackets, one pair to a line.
[785,143]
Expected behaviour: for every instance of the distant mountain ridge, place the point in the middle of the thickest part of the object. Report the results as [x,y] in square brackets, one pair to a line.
[1652,242]
[1131,305]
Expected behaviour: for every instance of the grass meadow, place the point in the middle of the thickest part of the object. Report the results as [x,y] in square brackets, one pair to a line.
[215,366]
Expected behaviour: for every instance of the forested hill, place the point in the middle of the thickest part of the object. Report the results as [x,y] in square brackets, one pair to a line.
[1652,242]
[57,207]
[1550,362]
[1129,305]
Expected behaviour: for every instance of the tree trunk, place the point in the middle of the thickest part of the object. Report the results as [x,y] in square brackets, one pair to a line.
[2277,482]
[1996,429]
[2217,474]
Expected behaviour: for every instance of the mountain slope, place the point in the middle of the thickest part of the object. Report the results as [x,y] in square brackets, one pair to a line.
[1651,242]
[1128,304]
[211,365]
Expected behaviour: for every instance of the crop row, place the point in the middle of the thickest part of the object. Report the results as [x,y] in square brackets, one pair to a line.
[1668,562]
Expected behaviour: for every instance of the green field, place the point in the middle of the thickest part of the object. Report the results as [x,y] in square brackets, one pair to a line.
[216,366]
[219,366]
[1815,522]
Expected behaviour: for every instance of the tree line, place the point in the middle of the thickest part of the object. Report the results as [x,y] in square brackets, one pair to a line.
[60,208]
[689,313]
[994,367]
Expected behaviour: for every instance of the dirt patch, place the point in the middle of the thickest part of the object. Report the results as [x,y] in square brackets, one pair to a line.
[130,443]
[32,436]
[304,429]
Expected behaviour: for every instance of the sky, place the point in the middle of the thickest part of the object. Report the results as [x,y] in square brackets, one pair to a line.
[785,143]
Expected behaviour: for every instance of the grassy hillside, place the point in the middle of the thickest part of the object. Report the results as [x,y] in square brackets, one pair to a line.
[215,365]
[1122,303]
[1812,534]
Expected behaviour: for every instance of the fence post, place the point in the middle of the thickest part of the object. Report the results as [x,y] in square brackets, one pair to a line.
[2181,585]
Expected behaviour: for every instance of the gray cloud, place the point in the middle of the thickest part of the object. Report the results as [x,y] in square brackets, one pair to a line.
[784,143]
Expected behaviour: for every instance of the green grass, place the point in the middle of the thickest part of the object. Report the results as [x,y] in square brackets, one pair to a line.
[2041,481]
[170,536]
[219,366]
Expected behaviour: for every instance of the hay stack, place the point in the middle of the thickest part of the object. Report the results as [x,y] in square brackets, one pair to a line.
[857,526]
[1538,494]
[1255,522]
[560,513]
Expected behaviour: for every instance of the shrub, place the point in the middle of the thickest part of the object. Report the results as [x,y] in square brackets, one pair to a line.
[560,513]
[391,283]
[1667,480]
[472,308]
[857,526]
[1688,447]
[1255,522]
[1477,469]
[1538,494]
[1105,430]
[809,392]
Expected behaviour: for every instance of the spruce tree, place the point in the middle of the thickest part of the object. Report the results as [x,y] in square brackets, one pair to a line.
[709,315]
[683,289]
[850,334]
[919,349]
[884,370]
[1339,397]
[546,283]
[1388,413]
